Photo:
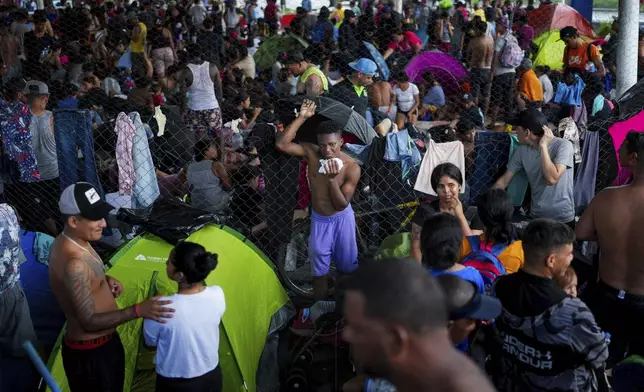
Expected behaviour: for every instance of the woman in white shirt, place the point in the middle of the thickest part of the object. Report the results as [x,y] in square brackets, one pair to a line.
[406,96]
[548,91]
[187,357]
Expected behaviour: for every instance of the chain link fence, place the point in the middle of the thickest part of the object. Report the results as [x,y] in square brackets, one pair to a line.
[112,107]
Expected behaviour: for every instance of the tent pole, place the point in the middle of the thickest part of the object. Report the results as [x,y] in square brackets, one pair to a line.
[627,47]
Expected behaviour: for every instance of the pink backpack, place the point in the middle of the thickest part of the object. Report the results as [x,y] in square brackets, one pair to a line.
[512,54]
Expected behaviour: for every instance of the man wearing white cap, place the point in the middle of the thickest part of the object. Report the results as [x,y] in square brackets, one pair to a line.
[93,355]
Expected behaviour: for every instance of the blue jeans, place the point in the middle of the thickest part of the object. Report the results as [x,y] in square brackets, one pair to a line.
[73,130]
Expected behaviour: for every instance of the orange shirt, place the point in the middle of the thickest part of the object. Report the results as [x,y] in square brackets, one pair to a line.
[530,86]
[511,257]
[578,57]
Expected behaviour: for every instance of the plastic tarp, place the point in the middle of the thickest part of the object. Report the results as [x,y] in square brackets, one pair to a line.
[253,296]
[396,246]
[556,17]
[448,71]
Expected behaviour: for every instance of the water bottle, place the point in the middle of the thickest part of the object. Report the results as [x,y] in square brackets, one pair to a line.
[317,310]
[378,385]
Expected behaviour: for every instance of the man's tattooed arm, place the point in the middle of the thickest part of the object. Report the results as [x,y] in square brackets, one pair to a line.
[77,279]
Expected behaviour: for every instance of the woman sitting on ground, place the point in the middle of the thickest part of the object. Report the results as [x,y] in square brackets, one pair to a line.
[495,210]
[208,179]
[447,181]
[187,345]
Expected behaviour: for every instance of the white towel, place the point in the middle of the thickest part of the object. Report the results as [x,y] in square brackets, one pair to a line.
[323,163]
[436,154]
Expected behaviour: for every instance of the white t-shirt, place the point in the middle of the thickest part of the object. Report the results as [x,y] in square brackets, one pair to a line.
[406,99]
[188,344]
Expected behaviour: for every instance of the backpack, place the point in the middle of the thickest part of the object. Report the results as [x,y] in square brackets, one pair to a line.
[485,259]
[512,54]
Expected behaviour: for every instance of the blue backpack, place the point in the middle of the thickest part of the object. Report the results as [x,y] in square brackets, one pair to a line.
[485,259]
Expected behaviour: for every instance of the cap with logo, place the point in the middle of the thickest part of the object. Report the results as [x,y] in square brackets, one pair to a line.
[35,87]
[84,200]
[567,32]
[364,66]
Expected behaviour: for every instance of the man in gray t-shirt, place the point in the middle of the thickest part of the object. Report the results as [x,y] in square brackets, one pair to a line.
[548,163]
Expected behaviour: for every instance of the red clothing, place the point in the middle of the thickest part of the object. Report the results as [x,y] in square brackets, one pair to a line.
[408,42]
[270,11]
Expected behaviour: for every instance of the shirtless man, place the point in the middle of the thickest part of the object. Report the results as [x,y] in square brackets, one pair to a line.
[93,355]
[614,219]
[333,229]
[480,53]
[380,97]
[312,81]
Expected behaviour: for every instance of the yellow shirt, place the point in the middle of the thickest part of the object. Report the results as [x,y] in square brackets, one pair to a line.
[315,71]
[138,46]
[338,15]
[511,257]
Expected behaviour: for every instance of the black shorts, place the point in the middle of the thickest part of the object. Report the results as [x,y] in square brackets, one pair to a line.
[503,87]
[622,315]
[480,81]
[96,369]
[209,382]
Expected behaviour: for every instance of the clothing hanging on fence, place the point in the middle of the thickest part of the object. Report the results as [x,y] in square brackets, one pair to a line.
[570,95]
[15,119]
[436,154]
[568,130]
[125,131]
[580,115]
[519,184]
[401,148]
[73,131]
[584,189]
[161,120]
[492,155]
[146,188]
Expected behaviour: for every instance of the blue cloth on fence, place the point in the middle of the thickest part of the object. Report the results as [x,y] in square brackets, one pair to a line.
[584,189]
[146,187]
[400,148]
[73,131]
[570,95]
[492,154]
[361,152]
[42,245]
[519,184]
[598,104]
[17,140]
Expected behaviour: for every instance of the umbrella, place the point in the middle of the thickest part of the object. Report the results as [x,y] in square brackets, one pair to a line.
[268,51]
[327,109]
[556,17]
[370,51]
[448,71]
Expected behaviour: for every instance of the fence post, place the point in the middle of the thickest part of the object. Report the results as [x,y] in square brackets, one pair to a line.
[629,12]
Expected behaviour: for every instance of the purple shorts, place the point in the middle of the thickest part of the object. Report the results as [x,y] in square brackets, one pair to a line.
[333,238]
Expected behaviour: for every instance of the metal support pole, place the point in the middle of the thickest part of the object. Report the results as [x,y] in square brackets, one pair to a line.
[627,47]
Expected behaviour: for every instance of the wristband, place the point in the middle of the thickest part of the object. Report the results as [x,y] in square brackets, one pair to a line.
[136,310]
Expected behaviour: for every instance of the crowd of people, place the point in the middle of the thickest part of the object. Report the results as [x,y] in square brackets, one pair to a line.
[115,105]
